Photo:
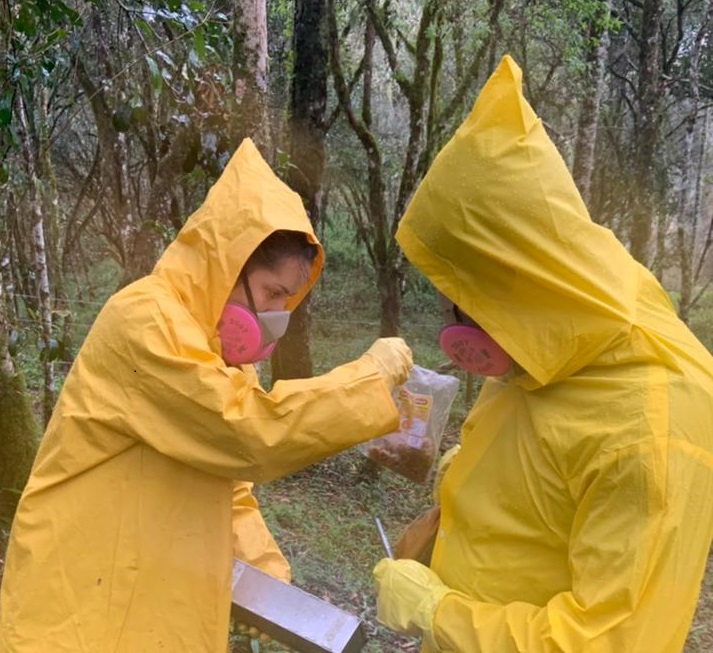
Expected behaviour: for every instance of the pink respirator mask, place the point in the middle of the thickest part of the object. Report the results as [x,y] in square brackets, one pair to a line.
[468,346]
[247,336]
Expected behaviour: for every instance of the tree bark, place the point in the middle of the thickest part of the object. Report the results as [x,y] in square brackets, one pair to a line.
[587,125]
[19,431]
[647,131]
[292,357]
[249,67]
[31,149]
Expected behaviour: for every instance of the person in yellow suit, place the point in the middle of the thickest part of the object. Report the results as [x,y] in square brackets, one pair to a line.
[577,515]
[123,538]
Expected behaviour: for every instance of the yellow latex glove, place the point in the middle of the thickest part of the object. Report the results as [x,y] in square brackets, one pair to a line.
[408,594]
[393,358]
[443,464]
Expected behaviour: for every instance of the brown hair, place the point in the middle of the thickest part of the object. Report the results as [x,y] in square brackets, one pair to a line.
[278,246]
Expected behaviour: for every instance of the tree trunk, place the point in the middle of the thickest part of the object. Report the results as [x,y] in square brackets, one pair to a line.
[704,263]
[31,148]
[292,357]
[647,131]
[19,431]
[587,126]
[249,69]
[390,297]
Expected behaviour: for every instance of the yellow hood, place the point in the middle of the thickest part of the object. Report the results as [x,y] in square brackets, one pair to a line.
[499,227]
[245,206]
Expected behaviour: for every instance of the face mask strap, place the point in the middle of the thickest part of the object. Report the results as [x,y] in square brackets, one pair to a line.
[267,320]
[462,318]
[249,295]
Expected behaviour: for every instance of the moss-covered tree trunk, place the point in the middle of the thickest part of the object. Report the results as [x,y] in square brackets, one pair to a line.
[19,434]
[19,430]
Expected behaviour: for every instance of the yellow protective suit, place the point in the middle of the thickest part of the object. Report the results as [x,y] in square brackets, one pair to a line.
[578,514]
[122,540]
[252,540]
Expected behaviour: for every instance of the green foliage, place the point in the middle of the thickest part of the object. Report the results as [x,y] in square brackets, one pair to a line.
[13,341]
[345,259]
[35,16]
[35,52]
[51,351]
[85,300]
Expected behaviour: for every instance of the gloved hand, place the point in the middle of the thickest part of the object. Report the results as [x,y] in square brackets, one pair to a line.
[394,359]
[443,464]
[408,594]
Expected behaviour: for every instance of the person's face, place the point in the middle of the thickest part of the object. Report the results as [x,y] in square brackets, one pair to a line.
[272,287]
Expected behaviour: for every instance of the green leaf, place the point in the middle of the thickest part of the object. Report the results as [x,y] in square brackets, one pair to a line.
[48,65]
[5,112]
[73,16]
[56,12]
[144,27]
[199,43]
[156,78]
[26,23]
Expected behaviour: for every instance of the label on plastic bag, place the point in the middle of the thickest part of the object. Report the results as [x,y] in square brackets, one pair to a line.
[424,402]
[414,411]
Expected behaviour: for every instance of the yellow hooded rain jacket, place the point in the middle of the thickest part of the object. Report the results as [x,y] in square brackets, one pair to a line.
[122,541]
[578,515]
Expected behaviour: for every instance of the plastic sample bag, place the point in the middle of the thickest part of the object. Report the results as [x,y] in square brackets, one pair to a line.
[424,403]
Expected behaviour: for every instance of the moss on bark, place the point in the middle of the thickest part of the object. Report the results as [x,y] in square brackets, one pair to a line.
[19,437]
